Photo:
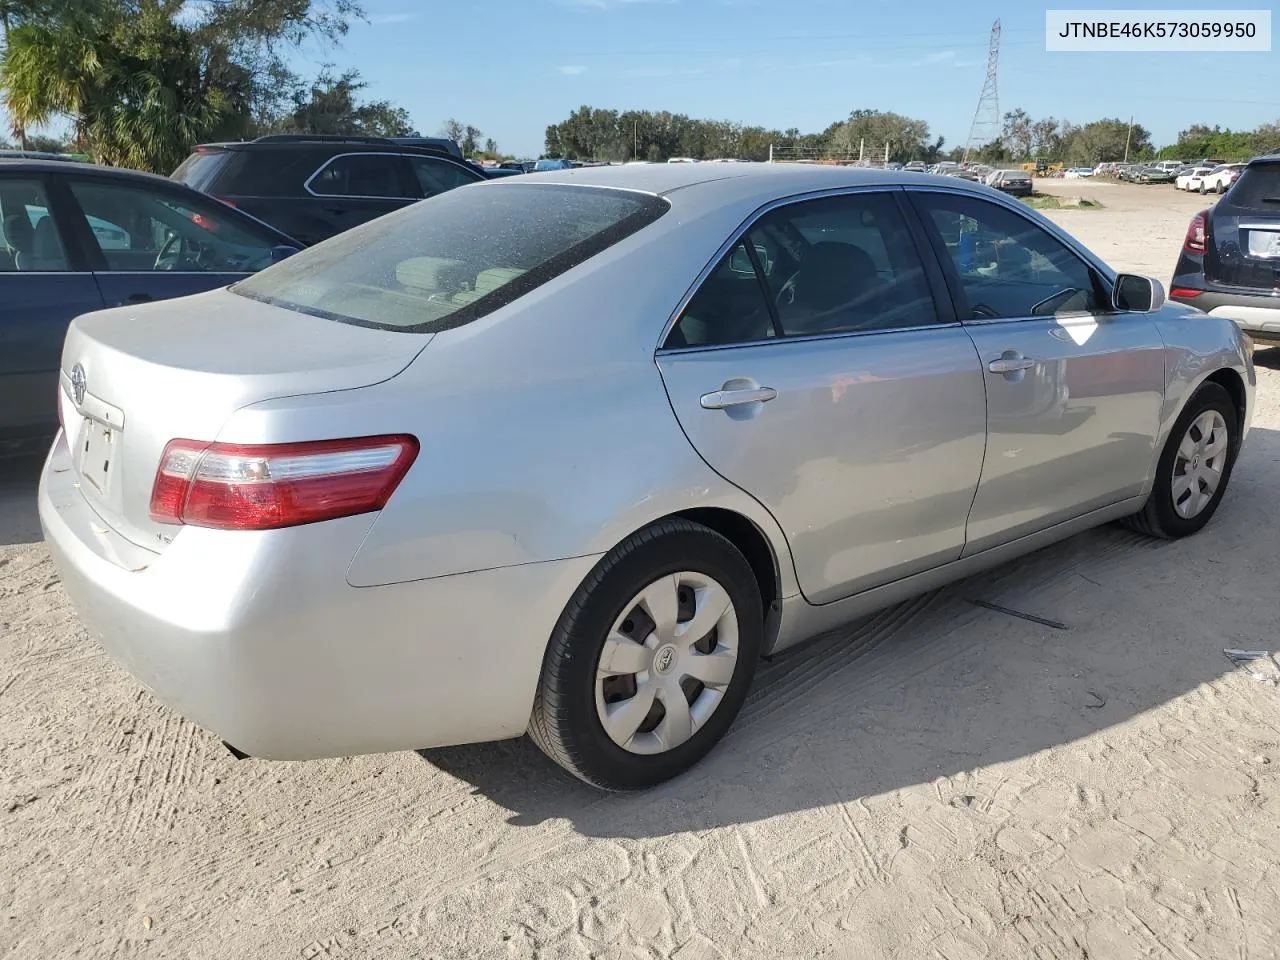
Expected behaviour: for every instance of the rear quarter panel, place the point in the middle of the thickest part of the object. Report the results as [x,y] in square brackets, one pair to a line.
[1196,347]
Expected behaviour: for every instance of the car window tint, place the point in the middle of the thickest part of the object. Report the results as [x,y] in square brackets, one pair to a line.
[452,258]
[359,175]
[1008,266]
[1258,188]
[139,230]
[437,176]
[729,307]
[31,239]
[843,264]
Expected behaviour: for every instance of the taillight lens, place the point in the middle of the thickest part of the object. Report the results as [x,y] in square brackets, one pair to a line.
[1186,293]
[266,486]
[1195,239]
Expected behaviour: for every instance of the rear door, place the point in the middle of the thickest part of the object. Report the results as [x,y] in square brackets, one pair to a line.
[1074,388]
[816,369]
[1243,246]
[354,188]
[152,242]
[44,284]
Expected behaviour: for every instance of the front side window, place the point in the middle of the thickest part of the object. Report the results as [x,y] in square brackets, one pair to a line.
[455,257]
[31,240]
[437,176]
[360,175]
[1007,265]
[139,229]
[842,264]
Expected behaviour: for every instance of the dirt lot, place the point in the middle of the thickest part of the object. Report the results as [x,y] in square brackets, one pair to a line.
[939,781]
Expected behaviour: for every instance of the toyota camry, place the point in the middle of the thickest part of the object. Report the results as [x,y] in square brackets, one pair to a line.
[567,454]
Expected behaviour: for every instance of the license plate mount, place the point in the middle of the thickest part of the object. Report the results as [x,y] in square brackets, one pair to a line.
[95,453]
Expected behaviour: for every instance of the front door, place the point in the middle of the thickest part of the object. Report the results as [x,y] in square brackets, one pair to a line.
[812,368]
[150,243]
[1074,388]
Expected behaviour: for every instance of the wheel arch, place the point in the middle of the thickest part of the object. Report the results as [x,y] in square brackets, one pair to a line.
[1231,381]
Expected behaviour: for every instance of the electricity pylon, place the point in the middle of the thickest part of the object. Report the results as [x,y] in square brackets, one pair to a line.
[986,119]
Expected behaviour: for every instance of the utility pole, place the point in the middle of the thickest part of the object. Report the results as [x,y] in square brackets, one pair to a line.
[1127,138]
[635,155]
[862,142]
[886,153]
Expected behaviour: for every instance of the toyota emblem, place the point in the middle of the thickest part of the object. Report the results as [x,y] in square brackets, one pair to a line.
[78,383]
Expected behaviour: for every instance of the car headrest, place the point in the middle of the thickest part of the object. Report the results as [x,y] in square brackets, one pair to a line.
[18,233]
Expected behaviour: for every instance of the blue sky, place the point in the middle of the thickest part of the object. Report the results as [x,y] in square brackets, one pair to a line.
[511,67]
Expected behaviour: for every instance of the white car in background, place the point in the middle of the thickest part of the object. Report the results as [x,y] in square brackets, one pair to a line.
[1219,178]
[1183,180]
[1078,173]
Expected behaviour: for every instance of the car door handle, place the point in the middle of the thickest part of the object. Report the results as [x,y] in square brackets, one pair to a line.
[1010,363]
[137,298]
[724,399]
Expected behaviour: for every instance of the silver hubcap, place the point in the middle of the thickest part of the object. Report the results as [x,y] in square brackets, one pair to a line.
[1197,470]
[667,663]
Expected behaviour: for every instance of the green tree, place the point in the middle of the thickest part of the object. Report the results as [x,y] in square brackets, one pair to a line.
[329,105]
[143,80]
[1016,133]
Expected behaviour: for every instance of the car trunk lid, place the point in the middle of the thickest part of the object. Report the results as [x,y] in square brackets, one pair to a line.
[1243,248]
[135,378]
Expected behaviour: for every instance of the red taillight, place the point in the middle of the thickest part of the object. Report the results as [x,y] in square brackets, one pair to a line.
[264,486]
[1185,293]
[1194,242]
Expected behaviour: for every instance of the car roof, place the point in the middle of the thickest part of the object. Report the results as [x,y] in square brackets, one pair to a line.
[328,145]
[740,180]
[29,165]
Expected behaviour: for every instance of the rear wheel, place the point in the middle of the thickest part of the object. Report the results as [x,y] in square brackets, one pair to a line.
[1194,467]
[651,660]
[1202,189]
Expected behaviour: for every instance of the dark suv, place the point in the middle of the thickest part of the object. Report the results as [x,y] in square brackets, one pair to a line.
[1230,262]
[313,187]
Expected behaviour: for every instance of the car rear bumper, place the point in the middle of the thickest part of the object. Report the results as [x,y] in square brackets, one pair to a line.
[1257,315]
[258,637]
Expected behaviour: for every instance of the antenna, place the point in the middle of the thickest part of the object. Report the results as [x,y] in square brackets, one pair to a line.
[986,119]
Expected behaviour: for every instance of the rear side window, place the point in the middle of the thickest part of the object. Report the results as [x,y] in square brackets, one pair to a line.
[1258,188]
[450,259]
[200,169]
[437,176]
[361,175]
[828,266]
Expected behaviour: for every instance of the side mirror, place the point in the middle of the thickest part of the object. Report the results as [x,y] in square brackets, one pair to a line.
[1138,293]
[282,250]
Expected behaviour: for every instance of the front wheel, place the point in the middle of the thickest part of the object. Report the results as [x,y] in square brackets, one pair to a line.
[651,659]
[1194,468]
[1202,189]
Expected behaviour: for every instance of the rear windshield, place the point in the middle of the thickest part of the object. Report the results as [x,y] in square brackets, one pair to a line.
[445,261]
[1257,188]
[198,170]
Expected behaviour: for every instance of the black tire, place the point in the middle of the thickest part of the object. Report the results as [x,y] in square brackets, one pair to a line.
[1158,518]
[1202,189]
[565,723]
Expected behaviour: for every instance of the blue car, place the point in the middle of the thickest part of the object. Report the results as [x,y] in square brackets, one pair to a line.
[77,238]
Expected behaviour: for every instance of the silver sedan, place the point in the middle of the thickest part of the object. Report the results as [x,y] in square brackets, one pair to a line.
[567,454]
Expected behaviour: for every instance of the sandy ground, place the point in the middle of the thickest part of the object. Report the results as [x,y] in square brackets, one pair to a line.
[940,781]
